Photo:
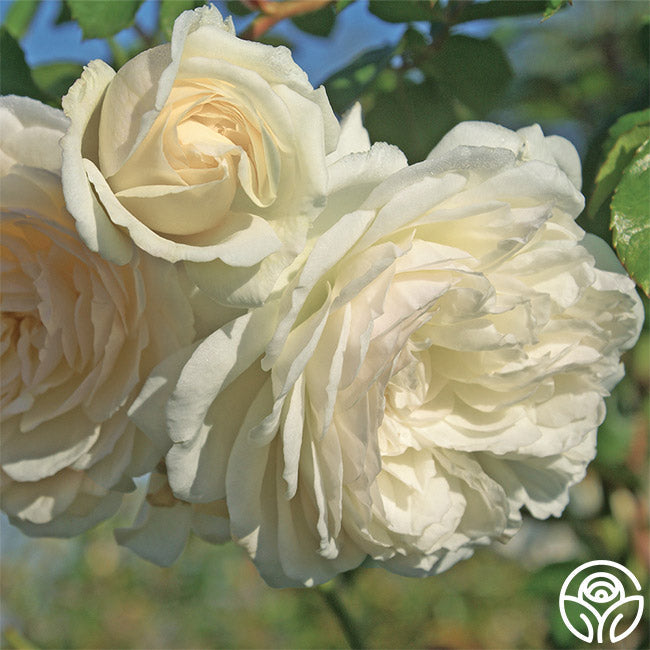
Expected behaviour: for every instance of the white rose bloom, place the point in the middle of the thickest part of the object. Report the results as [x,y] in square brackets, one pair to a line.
[79,335]
[210,149]
[437,362]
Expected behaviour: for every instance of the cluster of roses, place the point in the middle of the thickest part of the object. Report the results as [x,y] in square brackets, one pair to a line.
[311,347]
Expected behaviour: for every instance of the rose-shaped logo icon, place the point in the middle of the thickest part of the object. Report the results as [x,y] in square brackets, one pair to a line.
[594,599]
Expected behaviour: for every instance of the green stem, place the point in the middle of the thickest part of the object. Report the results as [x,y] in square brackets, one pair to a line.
[348,626]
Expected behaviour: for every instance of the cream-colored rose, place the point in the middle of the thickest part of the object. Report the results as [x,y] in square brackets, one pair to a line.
[438,361]
[79,335]
[210,149]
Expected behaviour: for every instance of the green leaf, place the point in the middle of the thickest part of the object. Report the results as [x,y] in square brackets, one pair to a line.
[237,8]
[643,36]
[547,581]
[414,117]
[318,23]
[347,85]
[170,10]
[342,4]
[56,78]
[498,9]
[19,16]
[614,437]
[414,40]
[625,123]
[64,15]
[15,75]
[275,41]
[102,18]
[475,70]
[553,6]
[630,223]
[398,11]
[616,161]
[118,52]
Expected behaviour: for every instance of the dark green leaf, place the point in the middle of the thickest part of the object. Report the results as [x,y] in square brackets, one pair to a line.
[541,96]
[643,37]
[275,41]
[619,147]
[15,75]
[102,18]
[64,14]
[474,70]
[497,9]
[398,11]
[414,40]
[618,158]
[414,117]
[19,16]
[170,10]
[631,217]
[553,6]
[237,8]
[346,86]
[342,4]
[119,53]
[318,23]
[56,78]
[614,437]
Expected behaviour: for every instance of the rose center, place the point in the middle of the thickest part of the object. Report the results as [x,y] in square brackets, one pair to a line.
[406,394]
[206,137]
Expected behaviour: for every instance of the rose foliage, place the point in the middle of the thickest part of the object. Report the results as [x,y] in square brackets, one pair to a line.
[313,348]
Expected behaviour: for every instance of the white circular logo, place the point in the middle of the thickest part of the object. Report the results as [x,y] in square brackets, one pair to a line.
[596,597]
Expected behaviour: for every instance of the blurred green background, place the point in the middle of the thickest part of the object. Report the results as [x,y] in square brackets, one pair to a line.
[417,69]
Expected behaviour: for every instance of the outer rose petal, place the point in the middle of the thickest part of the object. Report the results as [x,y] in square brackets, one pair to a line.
[79,336]
[437,359]
[354,138]
[164,524]
[94,226]
[210,150]
[30,135]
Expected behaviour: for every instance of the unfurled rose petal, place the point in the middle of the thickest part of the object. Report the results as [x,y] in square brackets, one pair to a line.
[209,150]
[164,524]
[79,336]
[437,361]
